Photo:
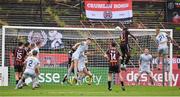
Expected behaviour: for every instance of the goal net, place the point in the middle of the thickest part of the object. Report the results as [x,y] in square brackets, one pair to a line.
[56,42]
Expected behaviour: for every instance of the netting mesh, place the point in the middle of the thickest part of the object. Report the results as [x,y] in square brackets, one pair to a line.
[1,45]
[57,43]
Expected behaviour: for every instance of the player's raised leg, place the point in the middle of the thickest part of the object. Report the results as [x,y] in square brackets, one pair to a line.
[69,66]
[83,69]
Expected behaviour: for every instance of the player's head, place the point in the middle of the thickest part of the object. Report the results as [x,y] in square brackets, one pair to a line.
[34,53]
[157,30]
[117,28]
[113,44]
[146,51]
[88,40]
[27,44]
[32,45]
[20,44]
[125,29]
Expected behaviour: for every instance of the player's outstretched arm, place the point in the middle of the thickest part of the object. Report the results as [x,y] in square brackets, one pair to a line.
[106,56]
[76,46]
[90,53]
[175,43]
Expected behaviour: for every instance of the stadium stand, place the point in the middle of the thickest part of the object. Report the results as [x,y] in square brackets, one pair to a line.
[67,13]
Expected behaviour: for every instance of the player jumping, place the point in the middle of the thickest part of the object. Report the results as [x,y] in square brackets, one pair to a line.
[145,65]
[32,69]
[162,39]
[113,57]
[69,62]
[82,47]
[124,46]
[83,70]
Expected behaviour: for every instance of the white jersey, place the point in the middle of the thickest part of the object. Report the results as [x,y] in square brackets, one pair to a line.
[31,64]
[162,40]
[80,50]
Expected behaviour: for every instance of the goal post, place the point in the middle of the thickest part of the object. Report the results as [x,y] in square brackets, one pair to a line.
[51,49]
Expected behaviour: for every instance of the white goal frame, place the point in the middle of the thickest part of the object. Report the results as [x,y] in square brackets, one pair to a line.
[82,29]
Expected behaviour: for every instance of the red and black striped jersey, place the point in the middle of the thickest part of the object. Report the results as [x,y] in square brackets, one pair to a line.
[19,56]
[113,56]
[124,37]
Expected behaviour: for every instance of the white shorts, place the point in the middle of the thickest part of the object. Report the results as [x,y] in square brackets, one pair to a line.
[163,50]
[81,64]
[145,68]
[75,56]
[29,73]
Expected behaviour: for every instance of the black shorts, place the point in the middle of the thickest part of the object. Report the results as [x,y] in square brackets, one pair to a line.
[114,68]
[125,48]
[18,68]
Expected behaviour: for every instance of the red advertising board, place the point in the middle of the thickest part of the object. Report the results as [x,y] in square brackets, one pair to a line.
[49,59]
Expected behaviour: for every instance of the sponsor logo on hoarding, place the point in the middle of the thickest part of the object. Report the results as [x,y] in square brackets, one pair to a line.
[158,77]
[57,78]
[174,61]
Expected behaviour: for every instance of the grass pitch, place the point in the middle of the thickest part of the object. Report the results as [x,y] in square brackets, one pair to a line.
[89,90]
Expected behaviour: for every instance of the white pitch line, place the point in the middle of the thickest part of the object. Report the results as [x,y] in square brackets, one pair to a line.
[89,96]
[79,92]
